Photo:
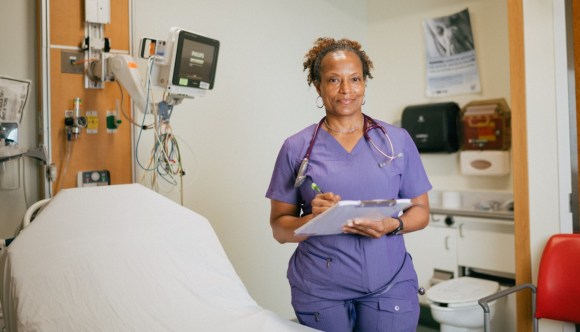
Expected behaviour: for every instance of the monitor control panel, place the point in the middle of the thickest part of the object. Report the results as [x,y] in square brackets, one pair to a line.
[93,178]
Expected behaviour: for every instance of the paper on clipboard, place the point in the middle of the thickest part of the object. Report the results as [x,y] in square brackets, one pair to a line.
[331,221]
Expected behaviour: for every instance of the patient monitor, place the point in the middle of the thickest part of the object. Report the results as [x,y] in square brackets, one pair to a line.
[184,66]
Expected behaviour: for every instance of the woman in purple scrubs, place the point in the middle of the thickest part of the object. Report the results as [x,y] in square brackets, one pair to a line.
[363,279]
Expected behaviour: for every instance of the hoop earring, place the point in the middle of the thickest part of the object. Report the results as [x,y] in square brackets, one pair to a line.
[364,100]
[319,98]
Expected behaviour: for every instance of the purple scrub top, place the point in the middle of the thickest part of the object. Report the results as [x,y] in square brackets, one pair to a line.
[346,266]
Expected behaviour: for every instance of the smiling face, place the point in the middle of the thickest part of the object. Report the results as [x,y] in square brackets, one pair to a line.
[342,84]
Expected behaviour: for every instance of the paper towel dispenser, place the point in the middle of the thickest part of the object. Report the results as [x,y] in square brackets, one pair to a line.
[433,127]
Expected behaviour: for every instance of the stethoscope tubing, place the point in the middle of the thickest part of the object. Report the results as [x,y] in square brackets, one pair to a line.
[369,124]
[313,139]
[301,175]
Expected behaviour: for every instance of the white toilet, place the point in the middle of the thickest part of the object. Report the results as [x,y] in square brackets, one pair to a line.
[454,303]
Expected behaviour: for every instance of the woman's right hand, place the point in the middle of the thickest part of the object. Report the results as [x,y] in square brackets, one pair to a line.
[285,218]
[323,202]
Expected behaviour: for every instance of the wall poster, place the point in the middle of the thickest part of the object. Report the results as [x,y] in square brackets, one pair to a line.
[450,55]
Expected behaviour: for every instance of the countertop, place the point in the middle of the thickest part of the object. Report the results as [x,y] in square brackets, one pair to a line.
[478,204]
[503,215]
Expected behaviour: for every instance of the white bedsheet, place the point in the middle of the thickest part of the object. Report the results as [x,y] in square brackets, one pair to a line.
[124,258]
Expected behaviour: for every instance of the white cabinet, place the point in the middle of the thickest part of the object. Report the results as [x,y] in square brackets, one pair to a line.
[486,244]
[433,248]
[451,242]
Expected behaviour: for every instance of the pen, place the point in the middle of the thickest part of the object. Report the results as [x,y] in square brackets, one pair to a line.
[316,188]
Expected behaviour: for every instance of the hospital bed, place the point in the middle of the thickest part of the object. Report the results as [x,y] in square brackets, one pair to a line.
[124,258]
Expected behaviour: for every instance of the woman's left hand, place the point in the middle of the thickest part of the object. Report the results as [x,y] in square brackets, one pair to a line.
[370,227]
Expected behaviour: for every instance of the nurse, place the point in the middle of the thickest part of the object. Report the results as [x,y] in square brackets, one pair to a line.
[362,279]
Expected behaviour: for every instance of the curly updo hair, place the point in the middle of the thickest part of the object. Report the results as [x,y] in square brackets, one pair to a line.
[325,45]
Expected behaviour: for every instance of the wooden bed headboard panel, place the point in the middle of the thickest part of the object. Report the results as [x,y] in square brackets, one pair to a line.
[102,150]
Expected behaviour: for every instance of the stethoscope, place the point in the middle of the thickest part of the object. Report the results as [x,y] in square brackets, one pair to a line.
[369,124]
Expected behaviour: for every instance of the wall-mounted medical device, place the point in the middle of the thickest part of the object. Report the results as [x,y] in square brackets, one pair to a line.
[93,178]
[184,66]
[486,125]
[74,121]
[95,45]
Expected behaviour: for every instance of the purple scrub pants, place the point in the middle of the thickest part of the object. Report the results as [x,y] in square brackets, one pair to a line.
[394,310]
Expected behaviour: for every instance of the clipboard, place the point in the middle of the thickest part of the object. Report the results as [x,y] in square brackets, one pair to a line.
[330,222]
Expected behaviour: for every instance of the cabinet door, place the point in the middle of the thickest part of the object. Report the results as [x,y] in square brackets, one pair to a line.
[486,244]
[433,248]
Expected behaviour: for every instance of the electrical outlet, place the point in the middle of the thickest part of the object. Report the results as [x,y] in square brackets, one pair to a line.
[71,62]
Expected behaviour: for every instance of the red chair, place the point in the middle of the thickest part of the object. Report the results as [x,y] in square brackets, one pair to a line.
[557,295]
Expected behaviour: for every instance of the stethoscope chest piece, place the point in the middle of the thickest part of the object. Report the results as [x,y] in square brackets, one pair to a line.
[301,173]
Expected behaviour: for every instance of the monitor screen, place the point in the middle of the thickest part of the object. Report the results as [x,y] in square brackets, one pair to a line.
[195,61]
